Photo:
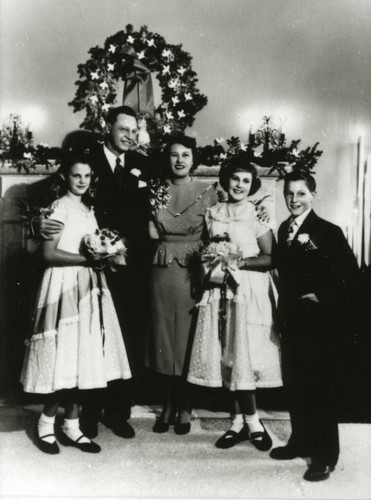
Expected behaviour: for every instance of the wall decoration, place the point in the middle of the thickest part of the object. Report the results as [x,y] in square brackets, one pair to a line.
[133,56]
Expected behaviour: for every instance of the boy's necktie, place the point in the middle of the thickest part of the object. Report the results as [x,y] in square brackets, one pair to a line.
[291,232]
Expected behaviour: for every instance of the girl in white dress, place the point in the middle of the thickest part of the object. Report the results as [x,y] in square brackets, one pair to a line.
[76,341]
[243,353]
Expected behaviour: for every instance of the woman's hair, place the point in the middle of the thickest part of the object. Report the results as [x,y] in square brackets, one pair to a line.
[187,142]
[300,176]
[59,186]
[239,163]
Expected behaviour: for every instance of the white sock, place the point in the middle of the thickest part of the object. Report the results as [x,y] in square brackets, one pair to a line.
[71,427]
[254,423]
[237,422]
[45,426]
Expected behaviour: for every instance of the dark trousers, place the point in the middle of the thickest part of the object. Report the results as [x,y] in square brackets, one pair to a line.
[314,428]
[310,368]
[130,293]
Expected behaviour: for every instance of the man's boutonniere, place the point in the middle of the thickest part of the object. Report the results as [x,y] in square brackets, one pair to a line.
[159,196]
[306,242]
[137,173]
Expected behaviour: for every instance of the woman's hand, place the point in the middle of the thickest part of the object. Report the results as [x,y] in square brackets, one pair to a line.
[46,228]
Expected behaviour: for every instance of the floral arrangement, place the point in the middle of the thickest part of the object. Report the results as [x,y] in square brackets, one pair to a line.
[305,241]
[270,152]
[159,196]
[105,244]
[16,145]
[132,55]
[220,259]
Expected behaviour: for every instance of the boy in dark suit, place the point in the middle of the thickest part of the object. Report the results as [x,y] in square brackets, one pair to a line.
[317,277]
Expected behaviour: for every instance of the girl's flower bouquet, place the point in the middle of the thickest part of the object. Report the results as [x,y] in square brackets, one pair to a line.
[106,244]
[220,260]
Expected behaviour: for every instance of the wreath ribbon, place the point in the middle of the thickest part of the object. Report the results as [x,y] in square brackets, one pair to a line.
[138,88]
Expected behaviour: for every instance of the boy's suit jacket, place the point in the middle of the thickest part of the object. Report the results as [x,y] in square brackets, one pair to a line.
[313,333]
[329,271]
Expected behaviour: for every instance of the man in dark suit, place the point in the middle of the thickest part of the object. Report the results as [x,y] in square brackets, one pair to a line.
[317,278]
[121,204]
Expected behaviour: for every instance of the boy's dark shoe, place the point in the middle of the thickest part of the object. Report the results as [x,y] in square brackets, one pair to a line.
[318,472]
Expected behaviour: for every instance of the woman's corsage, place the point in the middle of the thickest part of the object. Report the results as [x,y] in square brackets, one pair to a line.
[159,196]
[220,259]
[305,241]
[106,244]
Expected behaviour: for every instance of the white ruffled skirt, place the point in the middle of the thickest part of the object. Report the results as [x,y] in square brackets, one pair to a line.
[246,354]
[77,340]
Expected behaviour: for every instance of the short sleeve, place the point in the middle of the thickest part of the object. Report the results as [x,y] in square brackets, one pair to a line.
[260,228]
[59,211]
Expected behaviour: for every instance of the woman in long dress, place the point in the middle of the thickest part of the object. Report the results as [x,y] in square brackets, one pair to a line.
[177,225]
[241,353]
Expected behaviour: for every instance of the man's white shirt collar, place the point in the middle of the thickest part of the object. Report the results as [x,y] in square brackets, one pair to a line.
[112,158]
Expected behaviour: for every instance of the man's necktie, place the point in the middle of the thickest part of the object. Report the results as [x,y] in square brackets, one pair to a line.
[291,232]
[118,173]
[118,167]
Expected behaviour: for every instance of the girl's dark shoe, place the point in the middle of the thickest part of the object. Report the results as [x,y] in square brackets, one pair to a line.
[230,438]
[90,447]
[160,427]
[49,448]
[181,429]
[261,440]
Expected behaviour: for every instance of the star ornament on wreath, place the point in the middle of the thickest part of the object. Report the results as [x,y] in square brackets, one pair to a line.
[132,56]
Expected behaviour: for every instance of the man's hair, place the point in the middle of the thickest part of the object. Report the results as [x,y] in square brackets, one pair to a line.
[120,110]
[300,176]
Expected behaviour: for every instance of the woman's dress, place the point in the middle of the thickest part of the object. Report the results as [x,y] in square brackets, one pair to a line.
[250,355]
[76,340]
[180,227]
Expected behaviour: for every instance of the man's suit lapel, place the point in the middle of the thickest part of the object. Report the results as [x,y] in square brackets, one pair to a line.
[103,168]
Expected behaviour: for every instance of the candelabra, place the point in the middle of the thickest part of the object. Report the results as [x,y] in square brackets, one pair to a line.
[267,135]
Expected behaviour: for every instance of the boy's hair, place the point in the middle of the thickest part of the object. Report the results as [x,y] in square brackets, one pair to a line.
[239,163]
[120,110]
[300,176]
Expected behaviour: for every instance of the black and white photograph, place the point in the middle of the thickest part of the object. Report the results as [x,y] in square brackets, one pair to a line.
[185,262]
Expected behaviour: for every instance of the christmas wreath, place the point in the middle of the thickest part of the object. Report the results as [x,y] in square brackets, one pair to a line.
[132,56]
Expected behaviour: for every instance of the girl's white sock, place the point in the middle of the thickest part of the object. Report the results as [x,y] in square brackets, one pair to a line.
[237,422]
[71,427]
[45,426]
[254,423]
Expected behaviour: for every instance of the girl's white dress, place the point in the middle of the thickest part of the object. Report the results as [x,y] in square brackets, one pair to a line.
[250,356]
[76,340]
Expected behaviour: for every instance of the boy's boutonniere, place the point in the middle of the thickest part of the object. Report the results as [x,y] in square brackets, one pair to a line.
[306,242]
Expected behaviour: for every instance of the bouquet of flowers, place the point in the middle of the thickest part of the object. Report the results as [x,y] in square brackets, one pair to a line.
[220,259]
[106,244]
